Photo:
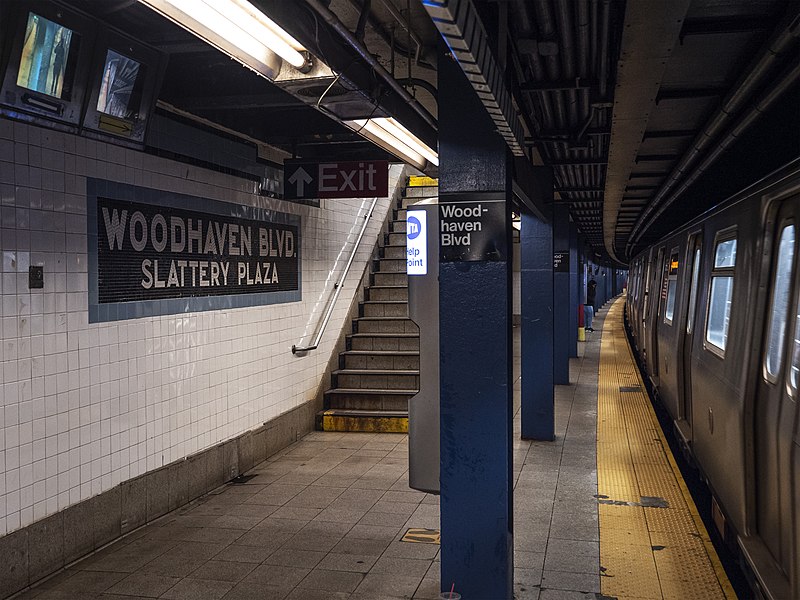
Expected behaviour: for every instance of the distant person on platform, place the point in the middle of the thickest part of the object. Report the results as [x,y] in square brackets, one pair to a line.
[588,308]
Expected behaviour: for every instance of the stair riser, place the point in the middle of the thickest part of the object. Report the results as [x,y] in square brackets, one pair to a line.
[400,214]
[373,343]
[377,382]
[422,191]
[407,202]
[398,326]
[398,226]
[362,402]
[384,310]
[392,265]
[390,278]
[398,252]
[397,239]
[381,362]
[388,294]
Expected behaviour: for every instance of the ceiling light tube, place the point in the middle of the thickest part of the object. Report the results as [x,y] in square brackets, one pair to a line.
[397,130]
[370,130]
[396,139]
[237,28]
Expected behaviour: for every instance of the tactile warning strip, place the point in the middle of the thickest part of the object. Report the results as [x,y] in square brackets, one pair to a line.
[653,543]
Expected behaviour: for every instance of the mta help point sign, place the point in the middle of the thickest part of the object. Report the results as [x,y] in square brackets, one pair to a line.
[416,242]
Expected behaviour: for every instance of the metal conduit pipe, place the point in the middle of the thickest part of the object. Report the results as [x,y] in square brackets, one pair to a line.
[361,27]
[605,27]
[789,78]
[534,60]
[426,85]
[583,37]
[753,78]
[566,50]
[331,19]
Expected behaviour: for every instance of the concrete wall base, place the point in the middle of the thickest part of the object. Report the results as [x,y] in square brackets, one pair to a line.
[42,548]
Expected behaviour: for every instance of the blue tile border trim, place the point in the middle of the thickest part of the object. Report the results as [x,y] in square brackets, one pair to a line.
[120,311]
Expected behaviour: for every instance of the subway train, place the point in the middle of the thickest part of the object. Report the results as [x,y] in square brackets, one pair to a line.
[714,314]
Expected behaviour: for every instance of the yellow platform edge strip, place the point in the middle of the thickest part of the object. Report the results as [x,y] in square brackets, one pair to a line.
[332,422]
[722,576]
[609,363]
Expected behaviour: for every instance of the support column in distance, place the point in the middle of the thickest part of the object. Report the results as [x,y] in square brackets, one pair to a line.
[561,300]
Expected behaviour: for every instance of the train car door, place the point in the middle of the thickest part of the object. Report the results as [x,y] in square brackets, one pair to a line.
[776,409]
[653,312]
[686,336]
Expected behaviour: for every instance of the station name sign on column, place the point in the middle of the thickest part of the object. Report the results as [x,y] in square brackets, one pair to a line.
[561,262]
[471,231]
[304,180]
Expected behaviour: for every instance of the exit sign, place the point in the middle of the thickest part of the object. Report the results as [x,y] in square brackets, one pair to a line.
[304,180]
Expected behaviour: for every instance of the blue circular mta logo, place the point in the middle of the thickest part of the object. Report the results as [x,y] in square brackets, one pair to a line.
[414,228]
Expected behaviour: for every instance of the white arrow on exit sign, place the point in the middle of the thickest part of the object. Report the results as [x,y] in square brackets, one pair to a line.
[300,178]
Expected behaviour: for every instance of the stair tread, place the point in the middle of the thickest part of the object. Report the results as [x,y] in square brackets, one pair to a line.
[383,319]
[382,352]
[384,334]
[357,412]
[384,301]
[356,391]
[382,287]
[376,372]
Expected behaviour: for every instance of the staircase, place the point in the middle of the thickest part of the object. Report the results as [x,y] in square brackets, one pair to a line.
[379,369]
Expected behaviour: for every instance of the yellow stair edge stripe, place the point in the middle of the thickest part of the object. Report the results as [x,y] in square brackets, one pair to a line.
[333,422]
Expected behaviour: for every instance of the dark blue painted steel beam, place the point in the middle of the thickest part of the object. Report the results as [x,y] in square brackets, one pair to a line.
[561,322]
[475,355]
[536,303]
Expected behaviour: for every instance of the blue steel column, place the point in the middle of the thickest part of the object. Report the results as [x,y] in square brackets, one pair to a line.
[536,303]
[573,290]
[561,322]
[475,360]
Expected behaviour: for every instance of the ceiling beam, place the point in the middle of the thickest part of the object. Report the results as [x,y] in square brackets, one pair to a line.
[722,25]
[668,133]
[689,93]
[567,162]
[557,86]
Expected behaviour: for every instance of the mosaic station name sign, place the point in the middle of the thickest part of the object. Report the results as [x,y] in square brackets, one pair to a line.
[148,252]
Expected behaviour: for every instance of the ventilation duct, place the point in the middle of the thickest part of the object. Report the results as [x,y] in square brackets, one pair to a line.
[321,88]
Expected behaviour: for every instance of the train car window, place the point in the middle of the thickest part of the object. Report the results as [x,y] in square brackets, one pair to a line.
[726,254]
[794,378]
[781,291]
[672,283]
[693,291]
[719,304]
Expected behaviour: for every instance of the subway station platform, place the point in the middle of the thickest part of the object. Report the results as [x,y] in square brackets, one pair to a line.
[602,512]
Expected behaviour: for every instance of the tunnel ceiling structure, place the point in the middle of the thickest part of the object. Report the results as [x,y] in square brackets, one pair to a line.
[648,111]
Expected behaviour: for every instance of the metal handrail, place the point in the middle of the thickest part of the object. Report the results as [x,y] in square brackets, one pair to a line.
[338,285]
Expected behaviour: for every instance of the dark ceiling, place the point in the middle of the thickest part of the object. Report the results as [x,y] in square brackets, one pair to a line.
[630,103]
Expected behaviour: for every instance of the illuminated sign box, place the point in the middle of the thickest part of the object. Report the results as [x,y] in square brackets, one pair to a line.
[68,68]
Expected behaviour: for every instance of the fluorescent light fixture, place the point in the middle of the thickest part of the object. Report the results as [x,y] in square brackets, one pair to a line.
[237,28]
[392,136]
[517,225]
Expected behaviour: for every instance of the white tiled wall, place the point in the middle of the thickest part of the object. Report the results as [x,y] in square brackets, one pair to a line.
[85,407]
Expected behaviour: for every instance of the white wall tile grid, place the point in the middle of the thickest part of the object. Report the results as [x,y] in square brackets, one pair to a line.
[87,406]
